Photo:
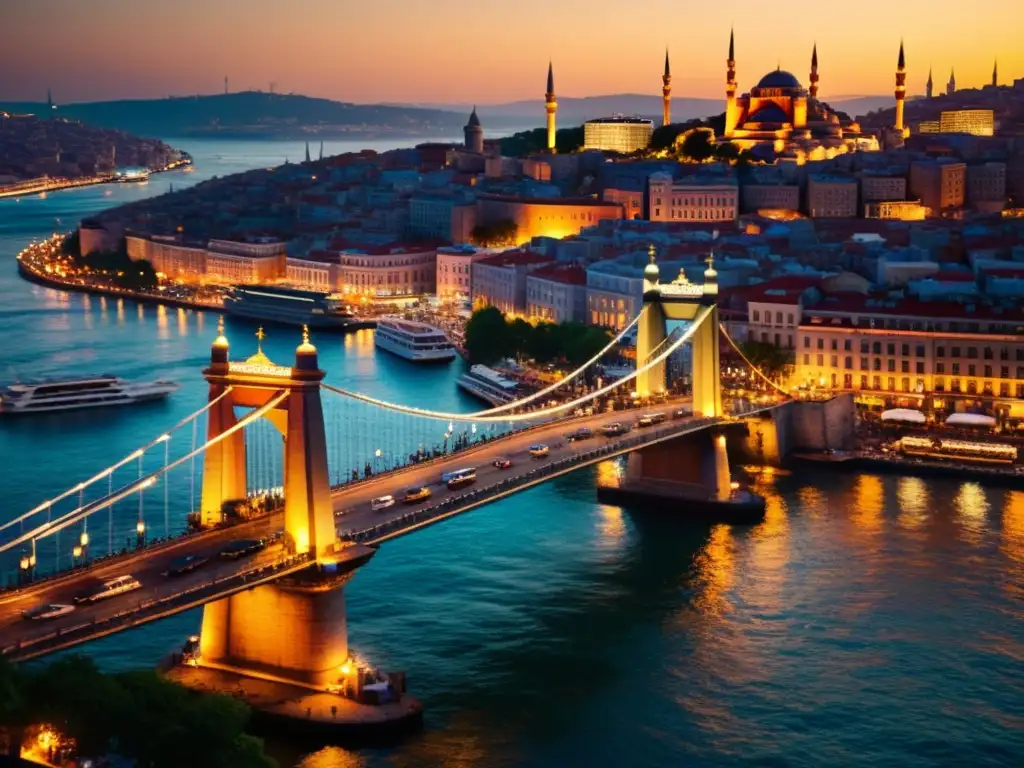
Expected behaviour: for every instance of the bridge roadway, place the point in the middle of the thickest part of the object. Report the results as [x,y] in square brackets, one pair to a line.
[162,596]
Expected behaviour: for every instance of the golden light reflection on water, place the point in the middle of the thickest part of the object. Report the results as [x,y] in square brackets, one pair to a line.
[869,503]
[912,495]
[333,757]
[182,322]
[120,311]
[610,523]
[971,511]
[162,324]
[1012,542]
[714,573]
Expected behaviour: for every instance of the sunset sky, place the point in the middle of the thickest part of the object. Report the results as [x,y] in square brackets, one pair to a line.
[487,51]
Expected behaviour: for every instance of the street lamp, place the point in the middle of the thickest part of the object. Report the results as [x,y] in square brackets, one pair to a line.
[376,460]
[140,533]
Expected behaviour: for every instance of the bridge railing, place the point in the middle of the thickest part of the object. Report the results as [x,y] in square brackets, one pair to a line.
[454,504]
[168,603]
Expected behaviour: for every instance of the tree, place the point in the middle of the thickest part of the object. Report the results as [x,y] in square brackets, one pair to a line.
[496,234]
[520,336]
[768,358]
[727,152]
[698,145]
[487,336]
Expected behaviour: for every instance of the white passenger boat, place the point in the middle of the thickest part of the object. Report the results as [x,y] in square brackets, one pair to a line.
[414,341]
[80,392]
[489,385]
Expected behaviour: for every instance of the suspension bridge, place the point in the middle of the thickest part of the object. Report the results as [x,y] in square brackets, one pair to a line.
[279,457]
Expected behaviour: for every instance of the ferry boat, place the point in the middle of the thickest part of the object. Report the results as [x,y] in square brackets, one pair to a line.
[489,385]
[414,341]
[81,392]
[288,306]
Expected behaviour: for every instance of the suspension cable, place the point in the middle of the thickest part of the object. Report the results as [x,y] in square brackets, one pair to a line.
[721,327]
[516,417]
[70,518]
[114,467]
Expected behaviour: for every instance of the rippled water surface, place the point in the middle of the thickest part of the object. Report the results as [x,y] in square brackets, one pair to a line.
[868,621]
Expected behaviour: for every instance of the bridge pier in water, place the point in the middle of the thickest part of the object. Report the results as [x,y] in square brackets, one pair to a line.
[285,641]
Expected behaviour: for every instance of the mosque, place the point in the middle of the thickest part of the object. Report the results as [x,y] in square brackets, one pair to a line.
[777,117]
[781,114]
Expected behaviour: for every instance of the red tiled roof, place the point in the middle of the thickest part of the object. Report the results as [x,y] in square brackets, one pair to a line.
[571,274]
[845,304]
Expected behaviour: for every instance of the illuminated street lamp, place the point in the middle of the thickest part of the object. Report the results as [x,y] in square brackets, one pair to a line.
[166,440]
[140,534]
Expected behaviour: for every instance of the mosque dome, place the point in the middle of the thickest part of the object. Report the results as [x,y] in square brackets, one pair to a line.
[779,78]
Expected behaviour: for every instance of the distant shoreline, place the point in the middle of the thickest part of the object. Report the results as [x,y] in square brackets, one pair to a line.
[89,181]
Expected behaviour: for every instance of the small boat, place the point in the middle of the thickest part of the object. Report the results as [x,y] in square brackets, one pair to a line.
[489,385]
[80,392]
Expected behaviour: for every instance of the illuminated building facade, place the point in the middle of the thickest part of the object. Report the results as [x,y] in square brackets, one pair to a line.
[617,134]
[901,210]
[977,122]
[896,356]
[694,200]
[534,217]
[500,280]
[557,294]
[388,272]
[455,271]
[221,262]
[781,113]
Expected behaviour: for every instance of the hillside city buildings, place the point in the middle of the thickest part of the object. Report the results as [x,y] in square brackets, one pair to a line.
[888,260]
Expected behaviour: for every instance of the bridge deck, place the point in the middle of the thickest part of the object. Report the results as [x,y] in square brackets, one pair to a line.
[162,595]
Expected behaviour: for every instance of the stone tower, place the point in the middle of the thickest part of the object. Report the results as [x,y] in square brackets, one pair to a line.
[666,93]
[551,107]
[929,87]
[474,133]
[951,85]
[995,74]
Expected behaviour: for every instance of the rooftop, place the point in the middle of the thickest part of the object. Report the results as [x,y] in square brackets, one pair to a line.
[515,259]
[571,274]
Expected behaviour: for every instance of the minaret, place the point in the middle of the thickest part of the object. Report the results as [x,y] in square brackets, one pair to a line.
[929,87]
[731,110]
[551,107]
[813,90]
[666,93]
[321,150]
[951,85]
[901,87]
[995,73]
[307,152]
[474,134]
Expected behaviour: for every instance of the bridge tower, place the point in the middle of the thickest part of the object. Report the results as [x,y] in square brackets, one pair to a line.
[294,628]
[681,300]
[309,517]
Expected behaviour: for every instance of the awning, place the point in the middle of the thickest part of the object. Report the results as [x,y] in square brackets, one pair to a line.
[904,414]
[970,420]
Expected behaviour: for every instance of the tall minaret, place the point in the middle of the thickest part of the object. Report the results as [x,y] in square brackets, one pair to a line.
[731,110]
[666,93]
[813,90]
[551,107]
[995,73]
[901,87]
[929,87]
[951,85]
[307,152]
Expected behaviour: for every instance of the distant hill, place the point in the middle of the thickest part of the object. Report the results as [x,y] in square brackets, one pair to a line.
[577,110]
[255,115]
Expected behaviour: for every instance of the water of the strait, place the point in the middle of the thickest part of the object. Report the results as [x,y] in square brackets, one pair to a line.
[868,621]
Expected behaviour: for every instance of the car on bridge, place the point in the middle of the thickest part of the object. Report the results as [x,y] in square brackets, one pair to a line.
[461,478]
[583,433]
[186,564]
[242,548]
[45,612]
[382,502]
[110,588]
[650,419]
[539,451]
[416,495]
[502,463]
[682,413]
[614,429]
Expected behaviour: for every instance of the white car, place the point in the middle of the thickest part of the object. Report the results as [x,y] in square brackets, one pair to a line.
[382,502]
[539,451]
[50,611]
[111,588]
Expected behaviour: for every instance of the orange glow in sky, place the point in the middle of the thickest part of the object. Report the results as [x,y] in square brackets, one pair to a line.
[487,51]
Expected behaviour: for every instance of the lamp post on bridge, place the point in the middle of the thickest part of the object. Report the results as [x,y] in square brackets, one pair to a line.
[140,534]
[166,440]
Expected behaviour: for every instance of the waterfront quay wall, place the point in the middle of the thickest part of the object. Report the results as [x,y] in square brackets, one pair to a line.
[799,425]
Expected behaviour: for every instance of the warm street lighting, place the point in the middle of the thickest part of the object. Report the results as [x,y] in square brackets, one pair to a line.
[140,528]
[83,540]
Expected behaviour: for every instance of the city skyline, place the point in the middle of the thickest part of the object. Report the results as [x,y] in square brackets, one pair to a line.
[358,53]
